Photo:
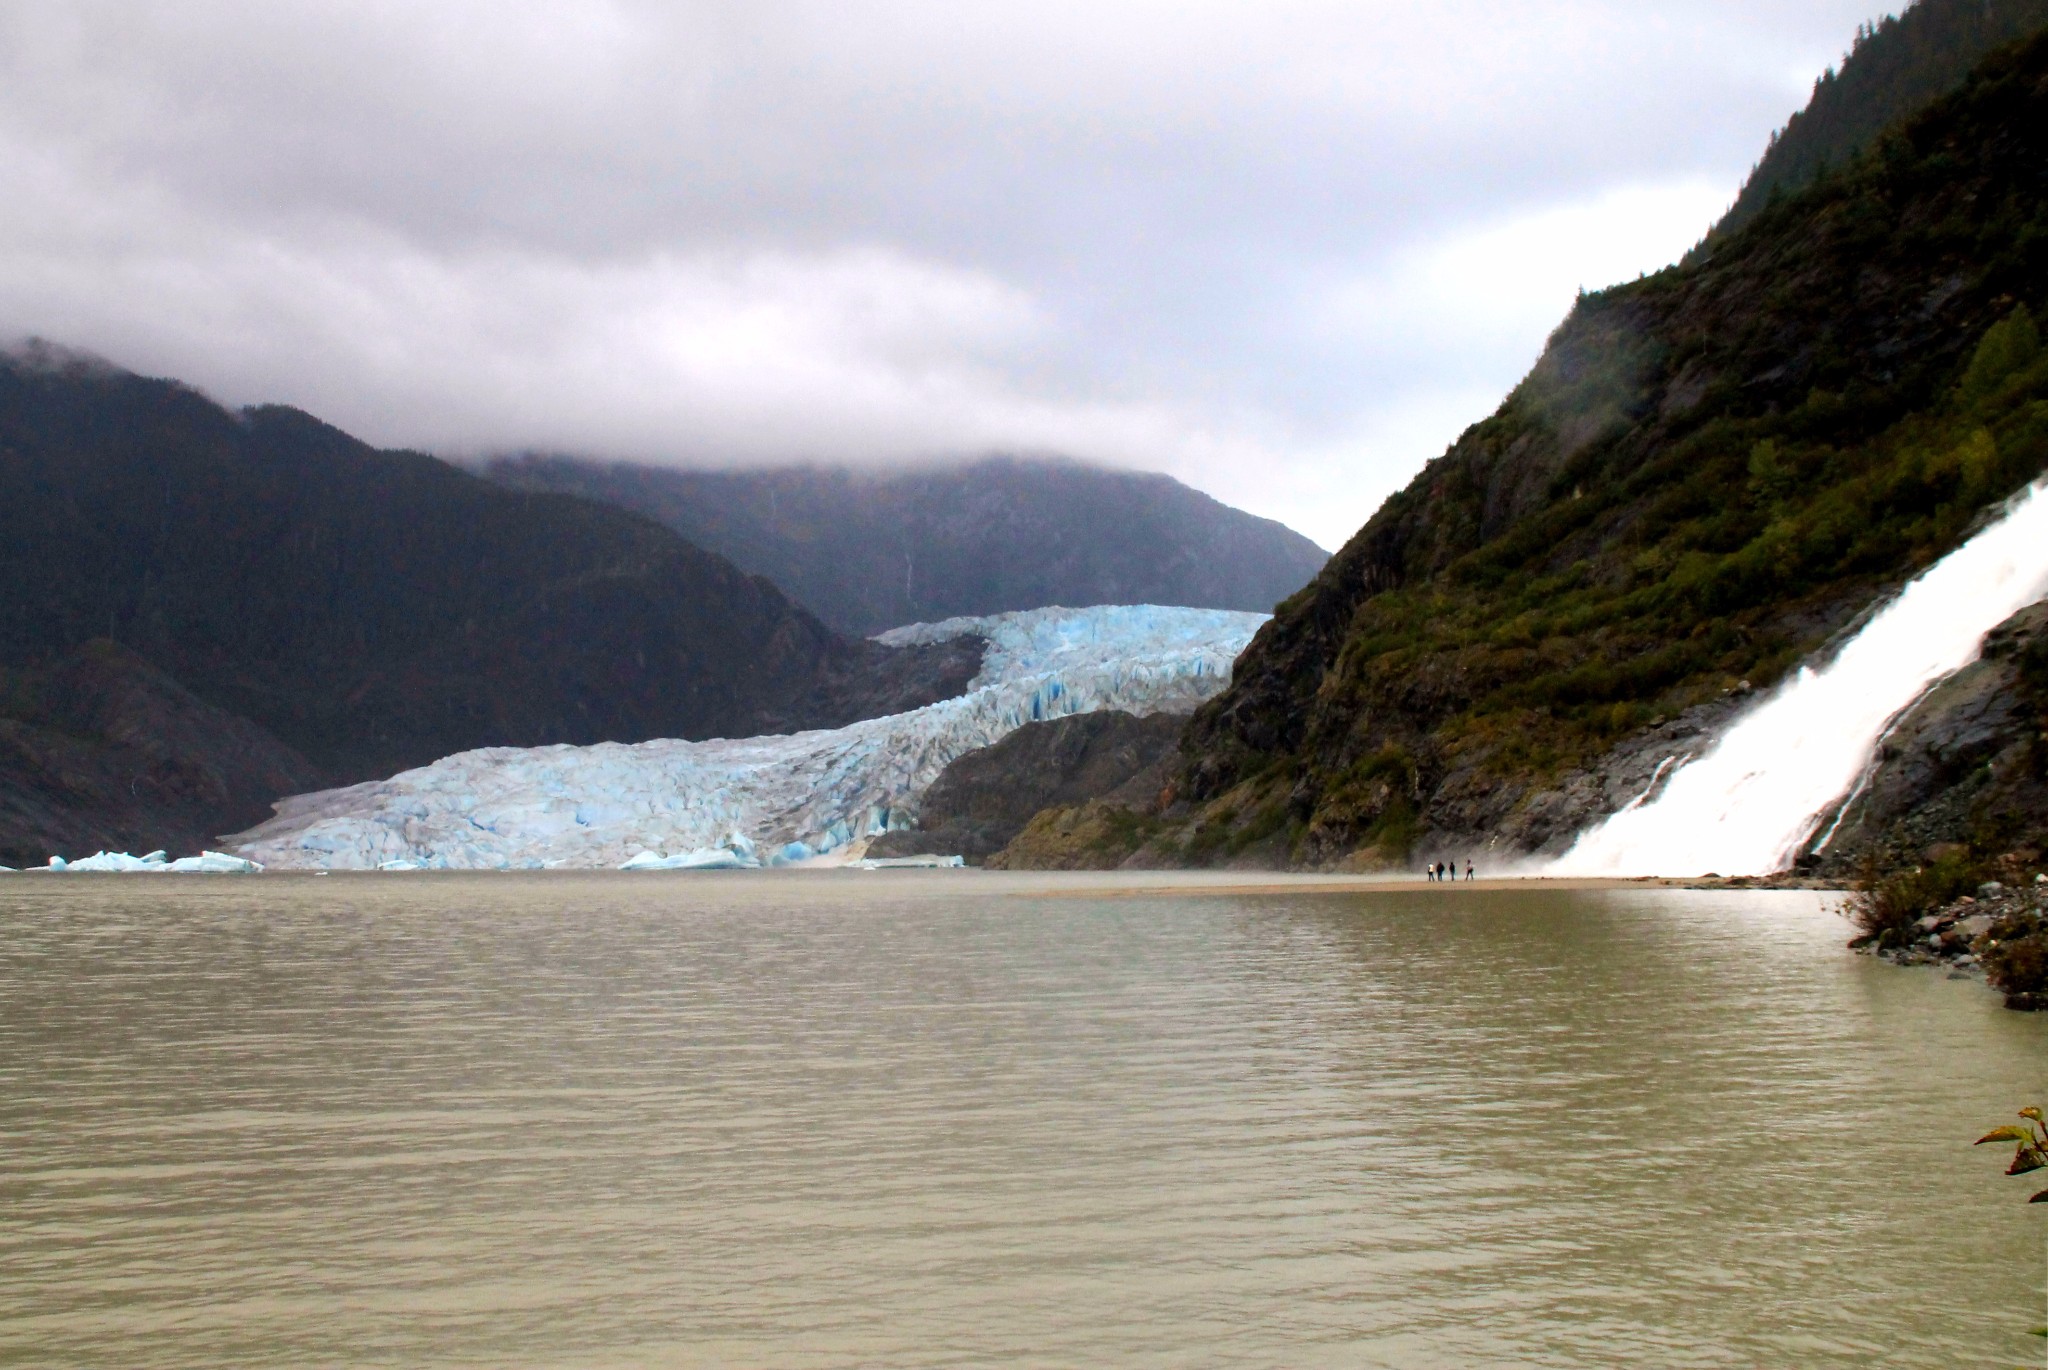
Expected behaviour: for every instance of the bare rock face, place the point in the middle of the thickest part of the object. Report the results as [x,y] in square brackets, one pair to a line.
[1471,814]
[981,802]
[864,679]
[1965,765]
[102,750]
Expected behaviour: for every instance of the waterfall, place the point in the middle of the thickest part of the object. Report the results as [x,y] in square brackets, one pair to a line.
[1753,800]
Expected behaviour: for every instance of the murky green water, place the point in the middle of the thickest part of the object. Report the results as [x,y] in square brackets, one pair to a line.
[957,1119]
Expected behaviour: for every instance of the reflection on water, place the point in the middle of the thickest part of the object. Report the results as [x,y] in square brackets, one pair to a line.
[950,1119]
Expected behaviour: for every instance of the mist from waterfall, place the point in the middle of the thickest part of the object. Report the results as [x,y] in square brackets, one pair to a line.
[1758,795]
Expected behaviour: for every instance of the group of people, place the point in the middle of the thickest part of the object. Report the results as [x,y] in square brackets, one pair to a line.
[1448,870]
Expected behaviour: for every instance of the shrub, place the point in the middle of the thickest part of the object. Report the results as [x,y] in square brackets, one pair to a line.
[2016,959]
[1884,907]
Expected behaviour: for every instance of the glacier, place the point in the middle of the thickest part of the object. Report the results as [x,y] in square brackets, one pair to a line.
[759,801]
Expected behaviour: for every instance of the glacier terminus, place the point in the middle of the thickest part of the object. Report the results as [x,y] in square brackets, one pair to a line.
[745,802]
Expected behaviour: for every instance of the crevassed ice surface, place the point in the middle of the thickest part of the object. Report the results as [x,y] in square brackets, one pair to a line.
[789,796]
[1751,802]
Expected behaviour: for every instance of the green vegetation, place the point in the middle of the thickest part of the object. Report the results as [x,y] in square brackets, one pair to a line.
[1898,65]
[1707,476]
[2016,959]
[1885,906]
[2030,1151]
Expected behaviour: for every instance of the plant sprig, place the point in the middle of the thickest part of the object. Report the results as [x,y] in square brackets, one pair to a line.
[2031,1149]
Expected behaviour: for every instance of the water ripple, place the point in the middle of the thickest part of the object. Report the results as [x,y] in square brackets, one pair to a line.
[814,1121]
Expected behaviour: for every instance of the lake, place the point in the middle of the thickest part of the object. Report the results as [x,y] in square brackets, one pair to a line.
[965,1118]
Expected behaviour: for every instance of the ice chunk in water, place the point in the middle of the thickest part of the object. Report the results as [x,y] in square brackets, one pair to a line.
[121,863]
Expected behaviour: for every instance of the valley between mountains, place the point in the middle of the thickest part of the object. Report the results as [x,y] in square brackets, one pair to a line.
[1711,480]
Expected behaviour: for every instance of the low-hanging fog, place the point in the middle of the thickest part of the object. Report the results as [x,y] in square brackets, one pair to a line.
[1284,251]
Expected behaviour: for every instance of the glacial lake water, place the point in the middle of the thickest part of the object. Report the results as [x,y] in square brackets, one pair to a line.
[965,1119]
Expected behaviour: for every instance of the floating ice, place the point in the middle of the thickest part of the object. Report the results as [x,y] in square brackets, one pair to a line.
[702,859]
[213,863]
[1759,795]
[687,805]
[895,863]
[120,862]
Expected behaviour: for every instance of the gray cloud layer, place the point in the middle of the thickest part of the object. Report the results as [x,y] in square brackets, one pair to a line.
[1283,250]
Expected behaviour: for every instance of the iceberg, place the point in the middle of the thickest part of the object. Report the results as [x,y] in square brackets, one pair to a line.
[213,863]
[738,803]
[702,859]
[111,861]
[121,863]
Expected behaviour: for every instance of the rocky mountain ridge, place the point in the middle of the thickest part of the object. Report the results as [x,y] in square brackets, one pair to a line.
[867,551]
[365,610]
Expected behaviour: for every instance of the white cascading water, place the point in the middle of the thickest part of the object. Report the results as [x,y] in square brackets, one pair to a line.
[1753,800]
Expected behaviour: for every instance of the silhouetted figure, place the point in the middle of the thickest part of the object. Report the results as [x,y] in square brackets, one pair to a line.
[1468,869]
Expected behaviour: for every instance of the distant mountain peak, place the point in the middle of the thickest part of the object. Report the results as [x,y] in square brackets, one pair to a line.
[869,549]
[1898,66]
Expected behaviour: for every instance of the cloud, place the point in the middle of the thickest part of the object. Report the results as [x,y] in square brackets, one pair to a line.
[1284,251]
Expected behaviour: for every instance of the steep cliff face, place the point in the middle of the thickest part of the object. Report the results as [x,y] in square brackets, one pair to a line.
[870,550]
[99,750]
[1708,473]
[1965,769]
[983,800]
[376,610]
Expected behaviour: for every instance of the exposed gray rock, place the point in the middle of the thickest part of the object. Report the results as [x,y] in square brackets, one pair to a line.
[1968,742]
[1635,771]
[985,798]
[102,750]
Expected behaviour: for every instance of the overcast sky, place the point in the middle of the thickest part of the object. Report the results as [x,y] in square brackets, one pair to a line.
[1283,250]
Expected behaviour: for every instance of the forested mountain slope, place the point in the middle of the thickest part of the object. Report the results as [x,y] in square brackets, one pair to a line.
[1708,473]
[1899,66]
[376,610]
[870,550]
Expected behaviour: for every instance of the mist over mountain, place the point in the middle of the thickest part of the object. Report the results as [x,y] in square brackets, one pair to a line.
[368,610]
[867,551]
[1708,474]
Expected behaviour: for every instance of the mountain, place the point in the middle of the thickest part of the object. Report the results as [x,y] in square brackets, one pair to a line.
[868,551]
[762,799]
[1899,66]
[374,610]
[1706,477]
[985,798]
[99,750]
